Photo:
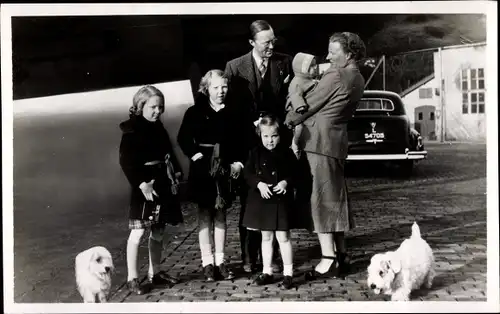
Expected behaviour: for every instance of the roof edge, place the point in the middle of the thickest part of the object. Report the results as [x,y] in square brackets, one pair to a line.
[420,83]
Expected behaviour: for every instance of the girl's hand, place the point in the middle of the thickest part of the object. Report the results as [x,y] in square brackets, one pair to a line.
[264,190]
[280,188]
[147,190]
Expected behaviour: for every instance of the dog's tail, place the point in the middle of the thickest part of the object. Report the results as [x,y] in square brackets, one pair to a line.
[415,230]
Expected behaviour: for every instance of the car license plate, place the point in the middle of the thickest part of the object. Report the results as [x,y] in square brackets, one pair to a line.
[374,137]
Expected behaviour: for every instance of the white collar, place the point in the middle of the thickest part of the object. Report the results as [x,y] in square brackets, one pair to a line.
[216,107]
[258,59]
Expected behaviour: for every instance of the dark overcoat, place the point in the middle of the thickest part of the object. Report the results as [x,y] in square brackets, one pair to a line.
[270,167]
[202,125]
[144,141]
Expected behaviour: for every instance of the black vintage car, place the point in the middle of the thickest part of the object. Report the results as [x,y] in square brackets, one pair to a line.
[380,131]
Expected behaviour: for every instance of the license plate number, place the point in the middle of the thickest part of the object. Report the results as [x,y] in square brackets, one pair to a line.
[374,136]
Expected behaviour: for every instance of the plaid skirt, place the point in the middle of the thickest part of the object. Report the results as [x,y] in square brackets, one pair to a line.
[144,224]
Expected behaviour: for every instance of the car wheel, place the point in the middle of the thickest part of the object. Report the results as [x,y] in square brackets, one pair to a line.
[406,168]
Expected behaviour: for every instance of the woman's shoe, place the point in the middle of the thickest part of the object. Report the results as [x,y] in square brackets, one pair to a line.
[332,272]
[163,279]
[344,264]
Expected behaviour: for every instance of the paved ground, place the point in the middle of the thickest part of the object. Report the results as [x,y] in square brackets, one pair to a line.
[450,208]
[446,195]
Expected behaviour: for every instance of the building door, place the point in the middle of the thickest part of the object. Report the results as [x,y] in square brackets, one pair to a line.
[425,118]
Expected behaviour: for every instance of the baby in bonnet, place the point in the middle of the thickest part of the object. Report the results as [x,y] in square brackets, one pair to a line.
[306,72]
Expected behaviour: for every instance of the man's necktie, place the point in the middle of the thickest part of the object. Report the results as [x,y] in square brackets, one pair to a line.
[262,68]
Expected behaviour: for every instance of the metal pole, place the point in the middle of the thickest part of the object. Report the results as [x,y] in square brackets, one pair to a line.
[383,73]
[373,73]
[441,94]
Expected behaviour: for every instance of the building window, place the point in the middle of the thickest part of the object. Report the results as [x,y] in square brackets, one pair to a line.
[465,103]
[473,103]
[481,102]
[431,116]
[420,116]
[465,85]
[473,90]
[480,78]
[473,79]
[424,93]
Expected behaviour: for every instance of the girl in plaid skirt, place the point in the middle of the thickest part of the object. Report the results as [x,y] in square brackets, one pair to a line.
[149,163]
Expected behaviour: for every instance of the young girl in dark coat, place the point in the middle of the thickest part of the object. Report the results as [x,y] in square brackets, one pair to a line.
[149,163]
[210,137]
[269,172]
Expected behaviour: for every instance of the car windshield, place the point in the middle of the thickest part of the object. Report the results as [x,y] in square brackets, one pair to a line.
[375,104]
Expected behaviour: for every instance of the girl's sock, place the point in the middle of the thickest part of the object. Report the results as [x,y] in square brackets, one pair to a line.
[219,258]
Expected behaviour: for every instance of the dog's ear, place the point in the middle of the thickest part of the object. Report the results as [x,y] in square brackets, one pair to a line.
[394,262]
[92,257]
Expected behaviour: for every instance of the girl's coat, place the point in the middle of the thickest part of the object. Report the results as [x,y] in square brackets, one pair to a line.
[270,167]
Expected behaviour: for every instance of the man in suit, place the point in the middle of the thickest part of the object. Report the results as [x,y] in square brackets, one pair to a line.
[259,81]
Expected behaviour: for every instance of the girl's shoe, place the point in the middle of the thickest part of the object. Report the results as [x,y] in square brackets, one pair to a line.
[264,279]
[287,282]
[332,272]
[134,287]
[209,272]
[224,272]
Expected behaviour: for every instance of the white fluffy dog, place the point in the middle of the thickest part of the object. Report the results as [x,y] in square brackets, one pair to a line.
[93,269]
[397,273]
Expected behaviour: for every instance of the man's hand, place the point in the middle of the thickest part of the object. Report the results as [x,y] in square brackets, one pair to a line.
[236,169]
[197,156]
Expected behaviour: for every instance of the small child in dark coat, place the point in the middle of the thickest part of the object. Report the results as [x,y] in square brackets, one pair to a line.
[269,172]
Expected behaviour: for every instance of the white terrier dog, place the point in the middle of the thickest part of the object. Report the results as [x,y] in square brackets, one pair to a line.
[93,269]
[397,273]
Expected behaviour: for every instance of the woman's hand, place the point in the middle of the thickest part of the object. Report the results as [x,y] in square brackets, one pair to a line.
[147,190]
[235,170]
[265,192]
[280,188]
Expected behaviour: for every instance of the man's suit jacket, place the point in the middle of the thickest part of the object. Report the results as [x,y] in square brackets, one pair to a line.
[244,82]
[334,101]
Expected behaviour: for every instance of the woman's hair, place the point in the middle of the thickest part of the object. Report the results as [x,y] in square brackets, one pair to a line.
[351,43]
[268,120]
[141,98]
[257,27]
[207,79]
